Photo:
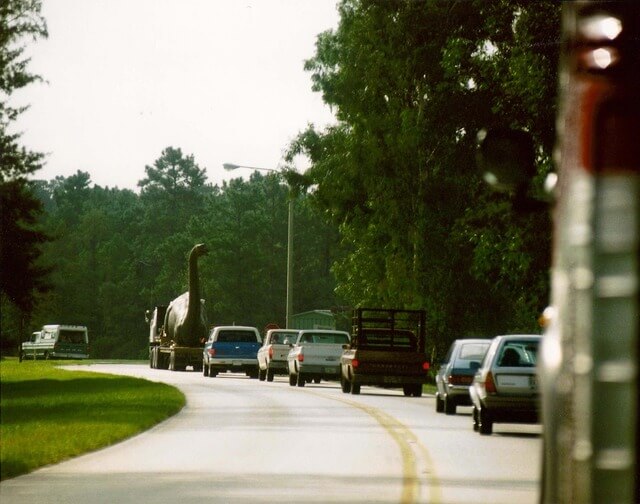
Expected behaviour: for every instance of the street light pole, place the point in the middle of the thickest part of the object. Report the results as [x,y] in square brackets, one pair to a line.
[289,263]
[289,300]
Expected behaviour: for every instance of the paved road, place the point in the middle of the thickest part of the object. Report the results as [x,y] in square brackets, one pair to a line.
[240,440]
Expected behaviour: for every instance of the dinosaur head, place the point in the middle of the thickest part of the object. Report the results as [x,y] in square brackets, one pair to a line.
[200,249]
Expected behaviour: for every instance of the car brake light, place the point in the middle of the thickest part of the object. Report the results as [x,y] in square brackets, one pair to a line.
[426,366]
[211,352]
[271,352]
[300,357]
[355,363]
[489,384]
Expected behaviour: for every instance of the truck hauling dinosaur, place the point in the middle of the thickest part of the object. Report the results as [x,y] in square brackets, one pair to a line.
[177,332]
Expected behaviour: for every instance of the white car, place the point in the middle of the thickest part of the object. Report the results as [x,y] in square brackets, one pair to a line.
[316,356]
[272,355]
[505,387]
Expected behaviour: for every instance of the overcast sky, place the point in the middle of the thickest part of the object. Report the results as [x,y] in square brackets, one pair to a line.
[220,79]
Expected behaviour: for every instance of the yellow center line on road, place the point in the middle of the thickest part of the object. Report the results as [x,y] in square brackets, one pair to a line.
[409,444]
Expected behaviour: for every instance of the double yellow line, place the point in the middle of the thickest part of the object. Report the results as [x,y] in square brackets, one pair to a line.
[411,449]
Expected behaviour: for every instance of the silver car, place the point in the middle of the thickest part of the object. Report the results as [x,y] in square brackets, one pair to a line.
[505,388]
[456,373]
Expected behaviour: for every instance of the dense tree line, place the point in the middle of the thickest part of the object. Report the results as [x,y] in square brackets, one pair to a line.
[22,278]
[391,213]
[116,253]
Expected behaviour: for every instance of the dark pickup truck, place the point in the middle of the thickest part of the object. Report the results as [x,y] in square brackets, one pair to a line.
[387,349]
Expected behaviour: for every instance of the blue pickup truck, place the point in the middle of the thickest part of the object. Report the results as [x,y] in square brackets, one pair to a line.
[231,349]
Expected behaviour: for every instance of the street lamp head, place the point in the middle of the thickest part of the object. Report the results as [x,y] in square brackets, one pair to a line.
[233,166]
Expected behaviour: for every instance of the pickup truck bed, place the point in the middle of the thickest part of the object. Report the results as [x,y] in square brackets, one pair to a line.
[316,356]
[387,349]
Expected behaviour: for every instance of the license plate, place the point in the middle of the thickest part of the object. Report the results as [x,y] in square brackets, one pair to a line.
[514,381]
[329,370]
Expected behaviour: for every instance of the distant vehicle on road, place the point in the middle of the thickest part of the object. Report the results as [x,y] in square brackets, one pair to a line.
[505,388]
[231,348]
[272,355]
[57,341]
[316,356]
[456,373]
[387,349]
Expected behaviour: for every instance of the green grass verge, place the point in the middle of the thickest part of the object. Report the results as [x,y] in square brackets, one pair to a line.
[48,414]
[429,388]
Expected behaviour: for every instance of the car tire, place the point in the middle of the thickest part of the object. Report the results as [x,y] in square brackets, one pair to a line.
[407,390]
[301,380]
[486,424]
[205,369]
[270,374]
[449,406]
[476,422]
[417,391]
[262,374]
[292,380]
[355,388]
[439,404]
[345,385]
[212,374]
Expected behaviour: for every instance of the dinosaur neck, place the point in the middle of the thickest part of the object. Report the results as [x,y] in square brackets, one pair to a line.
[193,310]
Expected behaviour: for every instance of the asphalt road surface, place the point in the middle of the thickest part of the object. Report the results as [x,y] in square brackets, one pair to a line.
[243,441]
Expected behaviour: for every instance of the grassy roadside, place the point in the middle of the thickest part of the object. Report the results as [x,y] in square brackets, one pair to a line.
[48,414]
[429,388]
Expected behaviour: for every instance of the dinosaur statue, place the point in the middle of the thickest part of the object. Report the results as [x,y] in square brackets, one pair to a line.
[185,323]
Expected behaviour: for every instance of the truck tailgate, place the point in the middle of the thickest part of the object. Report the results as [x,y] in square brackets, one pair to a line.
[236,350]
[280,352]
[390,363]
[321,354]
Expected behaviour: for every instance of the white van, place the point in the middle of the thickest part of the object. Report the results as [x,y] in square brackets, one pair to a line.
[57,342]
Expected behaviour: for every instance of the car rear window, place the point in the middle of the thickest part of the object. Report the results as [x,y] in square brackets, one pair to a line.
[237,337]
[282,336]
[325,338]
[519,354]
[473,351]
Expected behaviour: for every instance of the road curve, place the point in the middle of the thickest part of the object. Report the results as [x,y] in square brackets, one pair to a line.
[240,440]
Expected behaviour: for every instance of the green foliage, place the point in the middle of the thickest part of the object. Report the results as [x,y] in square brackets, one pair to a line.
[50,414]
[23,277]
[411,83]
[391,212]
[117,253]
